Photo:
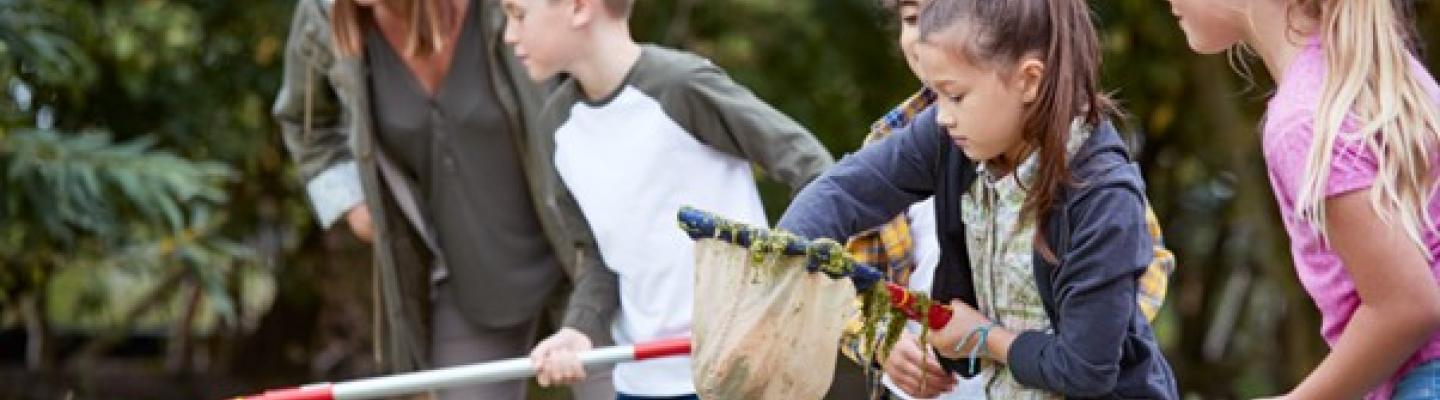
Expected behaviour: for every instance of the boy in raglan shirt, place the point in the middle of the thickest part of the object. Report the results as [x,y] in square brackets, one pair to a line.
[640,131]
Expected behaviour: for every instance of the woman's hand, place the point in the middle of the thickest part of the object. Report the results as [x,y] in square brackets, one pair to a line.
[359,220]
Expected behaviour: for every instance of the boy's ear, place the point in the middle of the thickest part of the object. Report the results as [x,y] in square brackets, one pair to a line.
[1028,76]
[582,12]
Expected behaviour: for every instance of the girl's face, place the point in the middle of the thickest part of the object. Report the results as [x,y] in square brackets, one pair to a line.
[982,108]
[1211,26]
[909,12]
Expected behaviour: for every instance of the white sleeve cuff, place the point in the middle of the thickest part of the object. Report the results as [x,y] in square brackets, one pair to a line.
[335,191]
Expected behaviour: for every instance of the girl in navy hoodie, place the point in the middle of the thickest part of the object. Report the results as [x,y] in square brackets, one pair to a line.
[1040,210]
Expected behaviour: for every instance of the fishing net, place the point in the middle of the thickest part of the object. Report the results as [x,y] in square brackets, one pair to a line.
[770,309]
[768,329]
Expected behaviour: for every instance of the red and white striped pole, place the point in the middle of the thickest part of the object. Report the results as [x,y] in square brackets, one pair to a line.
[474,374]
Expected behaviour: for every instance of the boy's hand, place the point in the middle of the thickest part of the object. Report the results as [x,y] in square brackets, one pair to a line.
[557,358]
[912,368]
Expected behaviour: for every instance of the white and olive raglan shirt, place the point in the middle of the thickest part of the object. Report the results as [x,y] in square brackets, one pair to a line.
[677,132]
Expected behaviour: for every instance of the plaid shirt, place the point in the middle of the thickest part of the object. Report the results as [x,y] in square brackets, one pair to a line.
[888,247]
[891,249]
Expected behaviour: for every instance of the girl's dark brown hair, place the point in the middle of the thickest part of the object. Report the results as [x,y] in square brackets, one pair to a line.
[429,22]
[1060,33]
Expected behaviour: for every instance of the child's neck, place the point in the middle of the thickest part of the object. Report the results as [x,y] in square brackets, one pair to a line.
[610,57]
[1004,164]
[1277,43]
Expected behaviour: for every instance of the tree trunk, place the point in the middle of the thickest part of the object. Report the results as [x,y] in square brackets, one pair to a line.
[178,352]
[156,297]
[38,353]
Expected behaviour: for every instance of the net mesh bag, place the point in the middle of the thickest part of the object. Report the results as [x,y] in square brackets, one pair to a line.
[770,310]
[764,327]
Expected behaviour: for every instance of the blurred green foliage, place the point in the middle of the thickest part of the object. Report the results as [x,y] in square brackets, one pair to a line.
[129,134]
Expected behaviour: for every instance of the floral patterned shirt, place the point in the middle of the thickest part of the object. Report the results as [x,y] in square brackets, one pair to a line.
[1001,248]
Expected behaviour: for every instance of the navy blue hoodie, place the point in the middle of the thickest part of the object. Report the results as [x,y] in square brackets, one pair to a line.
[1100,345]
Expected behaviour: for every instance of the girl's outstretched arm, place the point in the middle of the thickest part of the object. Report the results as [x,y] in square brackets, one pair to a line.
[1399,302]
[872,186]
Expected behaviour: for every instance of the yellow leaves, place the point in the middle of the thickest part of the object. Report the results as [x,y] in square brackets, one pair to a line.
[167,246]
[265,50]
[1161,117]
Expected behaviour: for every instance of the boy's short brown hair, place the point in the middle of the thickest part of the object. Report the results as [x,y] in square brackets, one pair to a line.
[619,8]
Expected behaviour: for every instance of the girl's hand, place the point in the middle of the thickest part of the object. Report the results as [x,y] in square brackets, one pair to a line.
[911,369]
[964,321]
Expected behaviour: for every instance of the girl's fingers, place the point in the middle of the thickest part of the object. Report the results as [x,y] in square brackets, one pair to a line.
[936,374]
[934,377]
[920,364]
[939,382]
[911,386]
[906,383]
[911,372]
[908,351]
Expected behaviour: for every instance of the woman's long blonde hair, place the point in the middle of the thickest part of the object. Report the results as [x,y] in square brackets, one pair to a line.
[429,21]
[1370,82]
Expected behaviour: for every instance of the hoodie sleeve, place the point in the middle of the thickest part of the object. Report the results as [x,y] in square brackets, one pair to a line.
[870,187]
[1095,289]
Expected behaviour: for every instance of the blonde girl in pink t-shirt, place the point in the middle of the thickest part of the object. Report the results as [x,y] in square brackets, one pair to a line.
[1350,141]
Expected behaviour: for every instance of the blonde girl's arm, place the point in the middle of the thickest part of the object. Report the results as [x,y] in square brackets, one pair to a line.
[1399,302]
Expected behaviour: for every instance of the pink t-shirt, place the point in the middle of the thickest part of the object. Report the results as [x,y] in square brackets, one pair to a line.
[1288,135]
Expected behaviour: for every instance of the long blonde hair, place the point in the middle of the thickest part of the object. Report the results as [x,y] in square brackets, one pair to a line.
[1370,82]
[429,21]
